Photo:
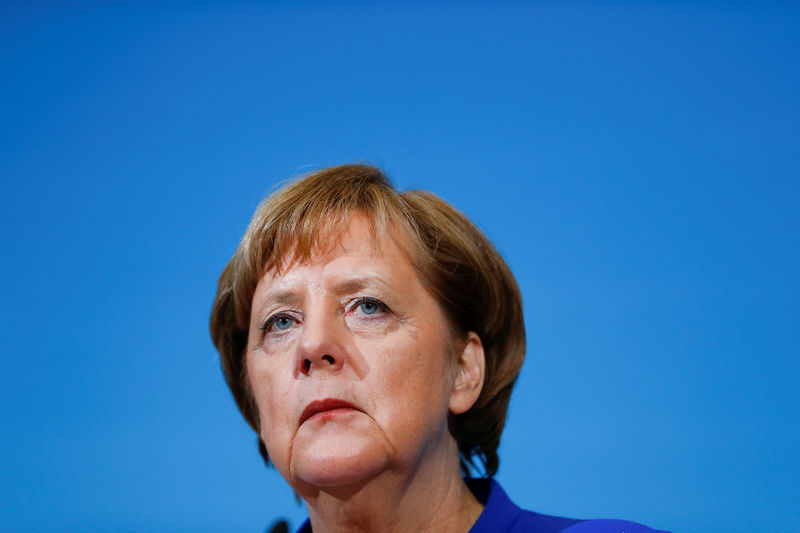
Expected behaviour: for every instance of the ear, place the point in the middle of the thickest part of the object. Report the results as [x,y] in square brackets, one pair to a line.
[470,369]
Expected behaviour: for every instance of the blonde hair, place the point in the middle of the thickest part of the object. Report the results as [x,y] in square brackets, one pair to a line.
[455,261]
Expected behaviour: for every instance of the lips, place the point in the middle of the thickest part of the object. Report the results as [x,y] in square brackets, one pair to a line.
[320,406]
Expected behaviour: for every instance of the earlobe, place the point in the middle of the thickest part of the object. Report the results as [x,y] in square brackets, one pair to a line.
[470,368]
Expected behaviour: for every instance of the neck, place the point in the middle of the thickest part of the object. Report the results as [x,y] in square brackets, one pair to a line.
[431,497]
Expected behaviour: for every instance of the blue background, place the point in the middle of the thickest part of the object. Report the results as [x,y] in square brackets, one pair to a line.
[636,163]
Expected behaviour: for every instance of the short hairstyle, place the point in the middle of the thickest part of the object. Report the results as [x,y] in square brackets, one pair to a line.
[456,263]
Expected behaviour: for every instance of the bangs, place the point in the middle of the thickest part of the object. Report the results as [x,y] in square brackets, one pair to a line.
[309,234]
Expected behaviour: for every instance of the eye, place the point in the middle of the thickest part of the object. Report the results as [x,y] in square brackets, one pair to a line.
[283,322]
[368,307]
[278,322]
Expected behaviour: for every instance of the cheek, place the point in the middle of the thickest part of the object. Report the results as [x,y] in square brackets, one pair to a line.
[415,377]
[273,414]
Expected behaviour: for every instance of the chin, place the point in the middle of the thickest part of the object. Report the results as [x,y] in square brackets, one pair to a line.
[338,464]
[338,473]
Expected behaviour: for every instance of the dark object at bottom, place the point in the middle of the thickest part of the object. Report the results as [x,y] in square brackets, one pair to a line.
[280,526]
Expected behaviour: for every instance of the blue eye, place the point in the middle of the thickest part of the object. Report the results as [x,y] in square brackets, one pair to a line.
[283,322]
[368,307]
[280,322]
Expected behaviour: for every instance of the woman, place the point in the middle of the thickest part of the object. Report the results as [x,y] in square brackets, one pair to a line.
[371,339]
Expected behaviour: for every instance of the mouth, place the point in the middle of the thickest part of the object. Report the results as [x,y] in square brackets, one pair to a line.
[328,405]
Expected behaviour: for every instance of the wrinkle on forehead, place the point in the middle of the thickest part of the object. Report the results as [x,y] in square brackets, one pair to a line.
[312,245]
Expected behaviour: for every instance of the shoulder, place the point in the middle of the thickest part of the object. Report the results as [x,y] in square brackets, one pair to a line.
[500,514]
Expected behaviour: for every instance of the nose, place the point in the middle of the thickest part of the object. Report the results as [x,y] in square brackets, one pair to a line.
[321,347]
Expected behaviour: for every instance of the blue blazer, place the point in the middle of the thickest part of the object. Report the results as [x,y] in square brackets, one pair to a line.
[501,515]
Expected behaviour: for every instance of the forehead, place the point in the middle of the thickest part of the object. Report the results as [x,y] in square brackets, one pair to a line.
[358,262]
[358,235]
[360,249]
[360,258]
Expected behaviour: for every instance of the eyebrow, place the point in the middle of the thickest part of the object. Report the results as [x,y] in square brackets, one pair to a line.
[357,284]
[282,297]
[292,296]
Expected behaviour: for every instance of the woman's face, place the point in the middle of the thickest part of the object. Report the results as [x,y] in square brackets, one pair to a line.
[351,365]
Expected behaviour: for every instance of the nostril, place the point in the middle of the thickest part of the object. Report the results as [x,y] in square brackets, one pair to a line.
[328,358]
[306,365]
